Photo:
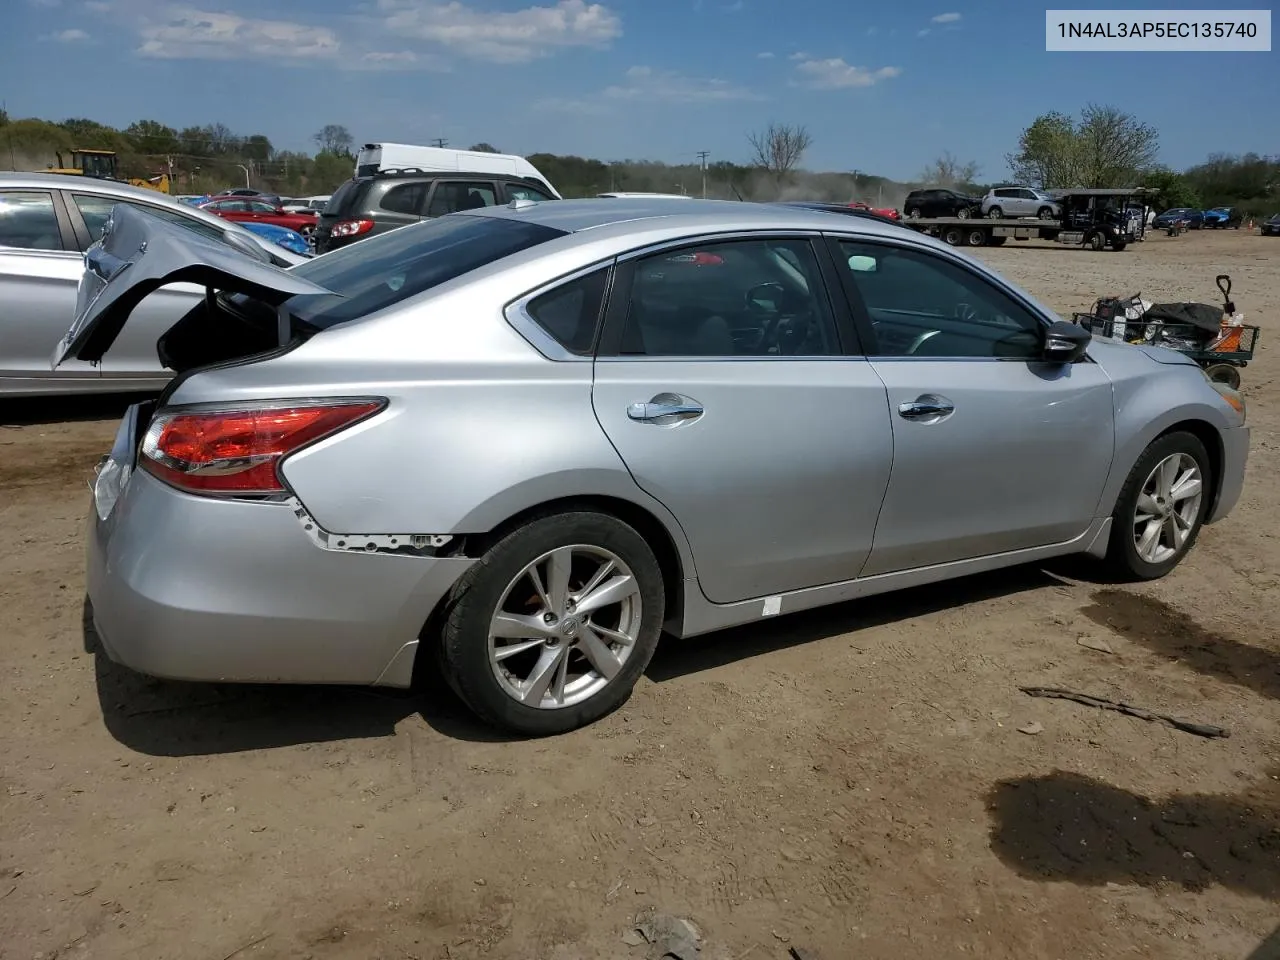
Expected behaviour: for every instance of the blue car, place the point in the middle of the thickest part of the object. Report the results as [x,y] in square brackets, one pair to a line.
[281,236]
[1220,218]
[1194,218]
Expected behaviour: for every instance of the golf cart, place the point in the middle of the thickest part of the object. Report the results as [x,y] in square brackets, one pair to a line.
[1099,219]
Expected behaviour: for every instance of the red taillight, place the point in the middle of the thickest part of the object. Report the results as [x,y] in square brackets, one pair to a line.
[351,228]
[238,451]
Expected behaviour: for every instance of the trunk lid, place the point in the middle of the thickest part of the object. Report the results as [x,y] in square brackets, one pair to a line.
[139,253]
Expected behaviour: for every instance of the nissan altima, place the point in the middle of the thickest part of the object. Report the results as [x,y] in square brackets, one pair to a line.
[519,443]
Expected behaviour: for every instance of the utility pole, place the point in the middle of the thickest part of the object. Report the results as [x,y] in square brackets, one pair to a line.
[702,156]
[855,186]
[440,142]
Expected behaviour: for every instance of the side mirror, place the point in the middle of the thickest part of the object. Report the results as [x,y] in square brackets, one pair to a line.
[1065,342]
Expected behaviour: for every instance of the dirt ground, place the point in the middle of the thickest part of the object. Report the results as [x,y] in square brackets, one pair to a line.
[853,781]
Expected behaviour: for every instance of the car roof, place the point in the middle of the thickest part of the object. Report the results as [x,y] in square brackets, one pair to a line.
[122,191]
[575,216]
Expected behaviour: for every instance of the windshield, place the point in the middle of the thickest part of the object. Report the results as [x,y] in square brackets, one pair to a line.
[383,270]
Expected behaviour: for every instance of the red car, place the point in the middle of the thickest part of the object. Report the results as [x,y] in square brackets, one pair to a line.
[880,211]
[243,209]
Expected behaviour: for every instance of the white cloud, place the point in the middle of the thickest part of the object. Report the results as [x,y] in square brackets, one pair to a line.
[571,105]
[188,34]
[835,74]
[668,86]
[799,55]
[923,33]
[397,60]
[503,37]
[946,18]
[70,36]
[765,55]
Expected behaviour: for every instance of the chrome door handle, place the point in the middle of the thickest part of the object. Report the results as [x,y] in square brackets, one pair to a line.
[928,407]
[665,408]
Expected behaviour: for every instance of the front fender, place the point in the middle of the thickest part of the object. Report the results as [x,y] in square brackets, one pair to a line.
[1144,411]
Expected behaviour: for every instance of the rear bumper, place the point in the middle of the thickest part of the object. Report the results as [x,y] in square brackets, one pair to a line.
[1235,457]
[193,588]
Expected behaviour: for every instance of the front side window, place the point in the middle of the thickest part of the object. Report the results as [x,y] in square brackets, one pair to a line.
[922,305]
[28,220]
[452,196]
[518,191]
[742,298]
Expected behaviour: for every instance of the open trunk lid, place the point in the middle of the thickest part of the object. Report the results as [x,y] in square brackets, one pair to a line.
[139,253]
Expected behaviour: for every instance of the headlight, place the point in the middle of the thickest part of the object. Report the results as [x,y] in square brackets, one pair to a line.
[1233,397]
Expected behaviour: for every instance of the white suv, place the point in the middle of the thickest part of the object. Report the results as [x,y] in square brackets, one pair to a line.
[1019,202]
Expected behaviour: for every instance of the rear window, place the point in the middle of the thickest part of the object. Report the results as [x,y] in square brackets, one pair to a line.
[394,266]
[341,197]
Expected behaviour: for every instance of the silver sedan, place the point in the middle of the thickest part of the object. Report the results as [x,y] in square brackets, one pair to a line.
[46,223]
[517,444]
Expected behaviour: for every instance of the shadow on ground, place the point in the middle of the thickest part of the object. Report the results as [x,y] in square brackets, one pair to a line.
[1066,826]
[30,411]
[171,718]
[677,658]
[1171,633]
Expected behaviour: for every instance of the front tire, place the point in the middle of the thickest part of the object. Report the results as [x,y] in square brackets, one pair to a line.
[551,629]
[1160,509]
[913,213]
[964,213]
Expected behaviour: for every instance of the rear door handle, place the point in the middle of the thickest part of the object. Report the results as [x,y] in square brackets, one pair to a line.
[665,408]
[927,408]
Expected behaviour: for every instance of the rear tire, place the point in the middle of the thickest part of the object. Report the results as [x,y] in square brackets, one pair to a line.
[913,213]
[1140,509]
[975,237]
[1224,373]
[953,236]
[995,213]
[1044,213]
[497,598]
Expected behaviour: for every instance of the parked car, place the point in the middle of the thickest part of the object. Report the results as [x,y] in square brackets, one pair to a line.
[250,210]
[47,221]
[272,198]
[1018,202]
[1271,226]
[542,409]
[1194,218]
[940,202]
[1222,218]
[889,213]
[305,204]
[841,208]
[366,206]
[291,240]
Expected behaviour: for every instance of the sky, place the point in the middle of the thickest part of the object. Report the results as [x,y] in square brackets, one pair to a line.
[882,87]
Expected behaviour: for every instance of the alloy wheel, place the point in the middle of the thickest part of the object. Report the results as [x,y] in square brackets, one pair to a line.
[1168,507]
[564,627]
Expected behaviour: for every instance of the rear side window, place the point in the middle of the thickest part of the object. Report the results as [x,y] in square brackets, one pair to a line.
[571,313]
[518,191]
[452,196]
[28,221]
[386,269]
[407,198]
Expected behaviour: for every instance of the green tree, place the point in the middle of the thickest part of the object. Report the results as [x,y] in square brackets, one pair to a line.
[1046,156]
[152,137]
[257,147]
[484,147]
[328,170]
[1105,148]
[333,138]
[1173,189]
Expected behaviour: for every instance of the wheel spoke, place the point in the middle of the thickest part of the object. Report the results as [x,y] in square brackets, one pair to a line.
[1188,486]
[1150,538]
[511,649]
[1176,534]
[559,566]
[614,590]
[1168,474]
[597,651]
[535,578]
[515,626]
[561,678]
[606,568]
[535,687]
[616,636]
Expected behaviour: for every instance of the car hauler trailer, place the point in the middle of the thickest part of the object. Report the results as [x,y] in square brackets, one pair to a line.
[1098,219]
